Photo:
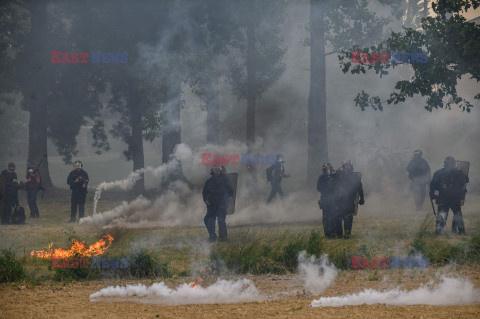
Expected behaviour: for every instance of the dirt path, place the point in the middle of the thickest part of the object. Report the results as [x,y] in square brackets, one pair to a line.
[285,298]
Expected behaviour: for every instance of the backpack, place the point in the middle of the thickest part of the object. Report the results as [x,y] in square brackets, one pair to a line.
[18,216]
[270,173]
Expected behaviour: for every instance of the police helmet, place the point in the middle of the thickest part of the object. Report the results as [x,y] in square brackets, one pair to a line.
[346,163]
[78,164]
[449,162]
[215,168]
[280,158]
[417,153]
[11,165]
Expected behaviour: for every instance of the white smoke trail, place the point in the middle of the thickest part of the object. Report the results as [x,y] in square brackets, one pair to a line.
[181,151]
[318,274]
[223,291]
[176,206]
[451,291]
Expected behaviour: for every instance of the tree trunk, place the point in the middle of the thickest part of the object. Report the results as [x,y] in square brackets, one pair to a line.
[251,86]
[317,102]
[136,146]
[171,137]
[213,114]
[35,90]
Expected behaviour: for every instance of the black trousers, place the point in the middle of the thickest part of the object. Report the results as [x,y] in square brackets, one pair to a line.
[328,220]
[11,200]
[214,213]
[77,199]
[347,220]
[32,201]
[276,188]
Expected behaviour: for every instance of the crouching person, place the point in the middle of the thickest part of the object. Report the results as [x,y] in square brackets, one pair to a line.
[216,194]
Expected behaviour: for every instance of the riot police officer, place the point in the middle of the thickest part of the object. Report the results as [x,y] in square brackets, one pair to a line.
[419,175]
[447,187]
[32,185]
[327,200]
[11,192]
[78,181]
[216,194]
[347,188]
[277,172]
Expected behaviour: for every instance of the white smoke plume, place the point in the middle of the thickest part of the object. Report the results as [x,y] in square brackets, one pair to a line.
[451,291]
[181,152]
[222,291]
[317,273]
[177,206]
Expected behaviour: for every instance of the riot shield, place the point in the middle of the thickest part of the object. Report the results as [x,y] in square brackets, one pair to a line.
[357,195]
[232,178]
[3,190]
[464,166]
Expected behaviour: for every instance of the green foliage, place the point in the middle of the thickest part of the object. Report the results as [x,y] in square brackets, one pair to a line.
[277,257]
[11,269]
[452,45]
[144,263]
[440,251]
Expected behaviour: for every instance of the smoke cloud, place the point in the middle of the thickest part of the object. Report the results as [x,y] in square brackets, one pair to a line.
[222,291]
[317,273]
[451,291]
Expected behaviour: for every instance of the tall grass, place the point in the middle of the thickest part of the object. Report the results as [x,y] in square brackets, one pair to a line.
[261,255]
[440,250]
[11,269]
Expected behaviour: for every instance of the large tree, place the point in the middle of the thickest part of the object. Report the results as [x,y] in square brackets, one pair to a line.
[333,26]
[257,63]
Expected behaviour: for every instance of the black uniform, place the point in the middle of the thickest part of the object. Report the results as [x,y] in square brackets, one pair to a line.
[346,185]
[449,183]
[327,203]
[419,175]
[11,195]
[217,191]
[79,192]
[32,188]
[276,181]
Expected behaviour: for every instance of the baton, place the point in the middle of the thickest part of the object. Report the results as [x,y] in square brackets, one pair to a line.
[433,207]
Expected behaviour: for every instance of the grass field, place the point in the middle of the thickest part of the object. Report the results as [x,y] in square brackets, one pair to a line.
[262,252]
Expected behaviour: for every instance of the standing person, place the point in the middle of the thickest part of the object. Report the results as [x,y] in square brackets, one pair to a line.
[327,201]
[216,193]
[419,175]
[347,187]
[32,184]
[447,187]
[78,181]
[11,193]
[275,174]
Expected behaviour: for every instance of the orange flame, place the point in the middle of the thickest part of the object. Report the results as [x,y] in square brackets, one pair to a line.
[78,249]
[194,284]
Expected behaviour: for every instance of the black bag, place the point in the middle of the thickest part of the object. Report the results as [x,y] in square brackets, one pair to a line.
[18,216]
[270,173]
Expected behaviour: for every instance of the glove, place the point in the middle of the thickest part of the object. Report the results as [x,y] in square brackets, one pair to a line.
[361,201]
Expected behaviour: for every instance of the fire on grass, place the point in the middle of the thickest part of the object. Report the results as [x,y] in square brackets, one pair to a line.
[78,249]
